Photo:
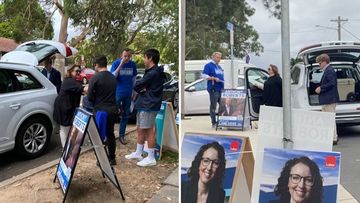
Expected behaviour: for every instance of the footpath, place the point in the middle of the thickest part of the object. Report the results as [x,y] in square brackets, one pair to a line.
[201,124]
[150,184]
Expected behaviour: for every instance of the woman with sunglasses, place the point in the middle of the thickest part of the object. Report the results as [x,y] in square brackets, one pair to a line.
[272,88]
[67,101]
[206,176]
[300,182]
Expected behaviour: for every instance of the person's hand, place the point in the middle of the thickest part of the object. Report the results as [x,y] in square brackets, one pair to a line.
[318,90]
[216,79]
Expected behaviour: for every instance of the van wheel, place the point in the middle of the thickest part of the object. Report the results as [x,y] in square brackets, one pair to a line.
[33,137]
[351,97]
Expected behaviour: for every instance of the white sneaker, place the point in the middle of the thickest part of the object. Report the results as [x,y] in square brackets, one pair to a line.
[146,162]
[134,155]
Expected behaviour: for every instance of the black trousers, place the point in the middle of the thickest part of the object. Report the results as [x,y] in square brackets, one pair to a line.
[110,122]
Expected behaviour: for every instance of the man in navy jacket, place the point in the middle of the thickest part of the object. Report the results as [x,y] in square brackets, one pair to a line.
[148,103]
[52,74]
[328,93]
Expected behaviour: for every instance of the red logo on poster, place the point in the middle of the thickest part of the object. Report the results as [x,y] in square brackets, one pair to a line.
[234,146]
[330,161]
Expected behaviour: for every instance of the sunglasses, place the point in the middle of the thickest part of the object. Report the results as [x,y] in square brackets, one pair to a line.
[78,71]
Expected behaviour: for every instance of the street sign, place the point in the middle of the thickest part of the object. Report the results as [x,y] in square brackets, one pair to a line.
[229,26]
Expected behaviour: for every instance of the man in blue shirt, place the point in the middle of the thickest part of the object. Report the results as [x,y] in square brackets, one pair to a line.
[124,70]
[214,75]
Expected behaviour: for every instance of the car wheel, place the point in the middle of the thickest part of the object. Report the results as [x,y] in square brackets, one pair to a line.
[33,137]
[351,97]
[84,80]
[175,100]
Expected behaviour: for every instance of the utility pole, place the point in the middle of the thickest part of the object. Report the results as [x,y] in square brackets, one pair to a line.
[339,20]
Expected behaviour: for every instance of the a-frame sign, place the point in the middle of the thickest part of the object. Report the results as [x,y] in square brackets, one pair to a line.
[83,124]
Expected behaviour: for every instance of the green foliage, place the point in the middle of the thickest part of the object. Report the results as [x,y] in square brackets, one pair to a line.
[24,20]
[116,24]
[206,28]
[274,6]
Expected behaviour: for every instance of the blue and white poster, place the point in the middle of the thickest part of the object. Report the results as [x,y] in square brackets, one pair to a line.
[72,148]
[232,108]
[194,156]
[299,176]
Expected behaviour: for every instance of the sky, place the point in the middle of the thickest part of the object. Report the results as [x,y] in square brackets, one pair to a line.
[304,16]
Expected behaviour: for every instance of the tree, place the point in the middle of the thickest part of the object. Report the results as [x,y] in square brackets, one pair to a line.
[274,6]
[206,28]
[24,20]
[110,26]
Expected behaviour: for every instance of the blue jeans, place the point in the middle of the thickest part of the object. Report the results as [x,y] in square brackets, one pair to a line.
[214,99]
[123,102]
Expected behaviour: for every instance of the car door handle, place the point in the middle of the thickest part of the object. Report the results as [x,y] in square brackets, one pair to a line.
[15,106]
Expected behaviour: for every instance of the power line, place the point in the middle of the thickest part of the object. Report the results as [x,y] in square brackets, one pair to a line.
[295,32]
[350,32]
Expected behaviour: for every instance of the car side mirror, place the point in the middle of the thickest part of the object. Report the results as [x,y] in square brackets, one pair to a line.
[191,89]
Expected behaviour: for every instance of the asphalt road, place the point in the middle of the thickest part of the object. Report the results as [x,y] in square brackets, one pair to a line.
[349,146]
[11,164]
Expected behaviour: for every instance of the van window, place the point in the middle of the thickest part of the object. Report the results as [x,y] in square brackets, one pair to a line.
[295,74]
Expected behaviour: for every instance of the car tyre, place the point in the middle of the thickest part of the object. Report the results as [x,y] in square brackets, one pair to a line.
[175,100]
[33,137]
[351,97]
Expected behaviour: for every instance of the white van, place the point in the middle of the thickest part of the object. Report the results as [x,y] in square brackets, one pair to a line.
[194,68]
[306,76]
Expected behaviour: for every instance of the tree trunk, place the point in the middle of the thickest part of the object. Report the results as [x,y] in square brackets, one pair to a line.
[60,60]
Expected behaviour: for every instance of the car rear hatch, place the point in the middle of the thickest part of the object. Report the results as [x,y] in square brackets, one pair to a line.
[337,51]
[40,49]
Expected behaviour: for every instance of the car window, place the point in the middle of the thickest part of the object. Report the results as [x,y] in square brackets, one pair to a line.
[89,71]
[39,50]
[256,77]
[295,74]
[192,76]
[202,85]
[25,81]
[6,84]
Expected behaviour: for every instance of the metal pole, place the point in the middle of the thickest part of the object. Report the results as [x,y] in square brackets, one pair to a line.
[233,86]
[182,54]
[339,28]
[285,48]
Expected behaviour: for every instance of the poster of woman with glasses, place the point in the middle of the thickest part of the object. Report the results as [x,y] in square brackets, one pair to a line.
[299,176]
[208,167]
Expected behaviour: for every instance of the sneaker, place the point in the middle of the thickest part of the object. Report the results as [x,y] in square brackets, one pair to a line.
[133,155]
[112,162]
[146,162]
[122,140]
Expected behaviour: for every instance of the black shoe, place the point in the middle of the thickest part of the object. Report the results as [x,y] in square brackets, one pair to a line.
[112,162]
[122,140]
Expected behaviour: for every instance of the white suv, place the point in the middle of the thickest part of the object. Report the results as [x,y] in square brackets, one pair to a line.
[27,99]
[306,76]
